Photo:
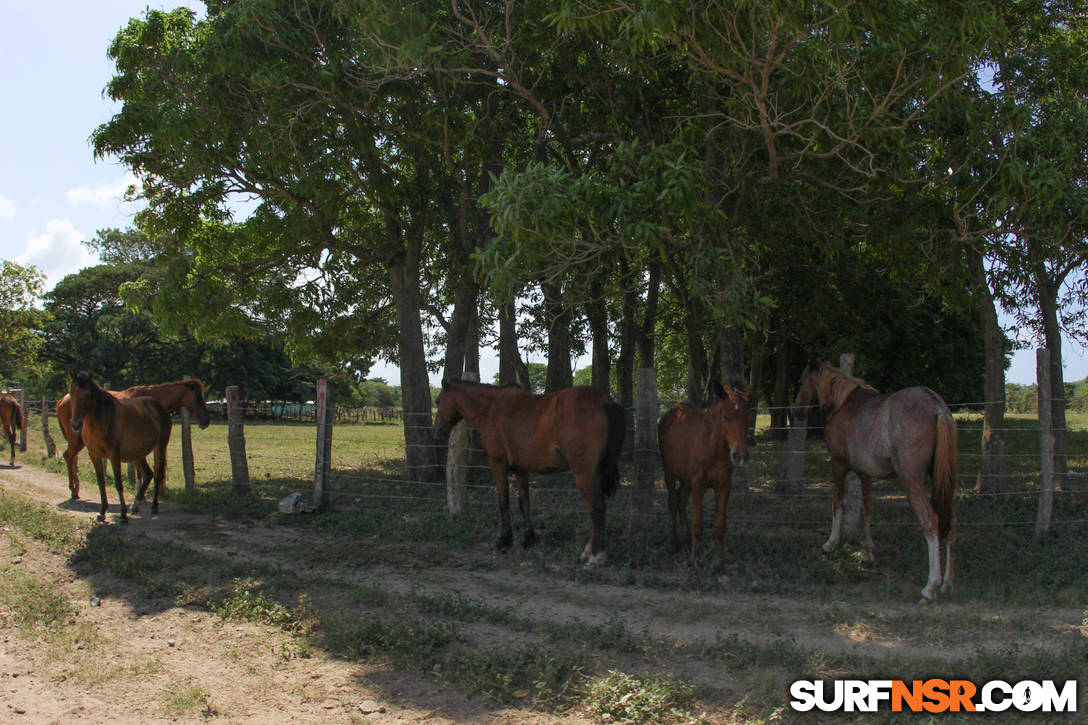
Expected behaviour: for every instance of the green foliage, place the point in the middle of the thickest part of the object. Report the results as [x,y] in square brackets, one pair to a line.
[248,602]
[20,320]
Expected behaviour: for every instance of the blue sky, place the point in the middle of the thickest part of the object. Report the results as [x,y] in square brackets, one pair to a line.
[54,195]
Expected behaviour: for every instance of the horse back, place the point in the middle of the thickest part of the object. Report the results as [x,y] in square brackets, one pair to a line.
[550,432]
[137,427]
[685,443]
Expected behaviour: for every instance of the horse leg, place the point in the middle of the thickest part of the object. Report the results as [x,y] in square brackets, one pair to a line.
[721,499]
[949,542]
[11,439]
[867,547]
[916,495]
[119,482]
[160,476]
[71,460]
[838,473]
[100,473]
[523,505]
[506,537]
[674,511]
[593,554]
[141,489]
[698,488]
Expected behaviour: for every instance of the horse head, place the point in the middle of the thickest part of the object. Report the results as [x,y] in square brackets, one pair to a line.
[85,395]
[735,410]
[196,405]
[447,414]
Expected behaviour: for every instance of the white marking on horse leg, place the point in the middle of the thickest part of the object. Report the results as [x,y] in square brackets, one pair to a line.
[587,552]
[930,591]
[836,532]
[595,560]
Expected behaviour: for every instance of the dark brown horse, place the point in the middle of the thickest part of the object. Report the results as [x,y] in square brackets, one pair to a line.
[907,434]
[11,416]
[699,449]
[119,429]
[579,428]
[187,394]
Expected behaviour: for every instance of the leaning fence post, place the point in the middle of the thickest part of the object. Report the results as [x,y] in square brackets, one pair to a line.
[457,459]
[236,441]
[50,445]
[645,454]
[22,428]
[323,412]
[851,504]
[187,466]
[1046,443]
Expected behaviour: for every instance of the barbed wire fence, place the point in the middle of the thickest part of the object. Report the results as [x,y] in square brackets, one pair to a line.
[788,468]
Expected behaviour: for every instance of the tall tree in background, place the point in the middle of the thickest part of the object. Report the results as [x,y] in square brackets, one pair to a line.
[20,320]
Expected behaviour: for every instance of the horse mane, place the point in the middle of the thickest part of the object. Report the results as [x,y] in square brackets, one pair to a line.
[834,386]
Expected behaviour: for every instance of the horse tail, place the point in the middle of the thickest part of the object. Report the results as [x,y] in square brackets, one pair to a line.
[608,472]
[20,424]
[944,472]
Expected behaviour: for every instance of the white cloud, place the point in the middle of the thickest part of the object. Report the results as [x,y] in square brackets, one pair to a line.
[57,251]
[7,208]
[101,194]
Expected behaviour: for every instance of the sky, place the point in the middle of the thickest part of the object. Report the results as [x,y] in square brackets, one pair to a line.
[54,195]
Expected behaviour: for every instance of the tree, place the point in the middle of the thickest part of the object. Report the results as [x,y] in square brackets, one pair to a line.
[20,320]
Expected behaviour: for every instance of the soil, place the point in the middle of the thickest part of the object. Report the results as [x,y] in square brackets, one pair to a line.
[152,649]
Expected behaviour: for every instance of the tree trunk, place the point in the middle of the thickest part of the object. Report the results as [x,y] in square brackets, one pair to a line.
[1052,335]
[464,310]
[597,313]
[991,473]
[731,345]
[698,375]
[625,366]
[509,357]
[558,316]
[420,449]
[780,398]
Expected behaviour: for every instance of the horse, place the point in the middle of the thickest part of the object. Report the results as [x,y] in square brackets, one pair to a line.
[909,434]
[579,428]
[188,394]
[699,449]
[11,415]
[119,429]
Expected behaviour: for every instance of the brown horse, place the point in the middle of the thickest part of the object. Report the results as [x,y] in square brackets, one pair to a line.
[907,434]
[119,429]
[579,428]
[11,415]
[699,449]
[188,394]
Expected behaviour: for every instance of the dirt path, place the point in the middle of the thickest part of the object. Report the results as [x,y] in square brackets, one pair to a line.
[153,654]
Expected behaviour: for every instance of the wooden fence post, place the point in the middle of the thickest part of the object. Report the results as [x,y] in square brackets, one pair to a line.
[187,466]
[22,429]
[50,445]
[457,459]
[645,453]
[851,505]
[792,470]
[323,412]
[1046,443]
[236,441]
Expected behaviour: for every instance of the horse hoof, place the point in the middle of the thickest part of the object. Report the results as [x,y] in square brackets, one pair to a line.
[123,520]
[595,560]
[100,517]
[154,510]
